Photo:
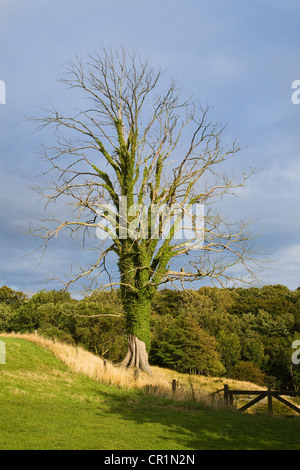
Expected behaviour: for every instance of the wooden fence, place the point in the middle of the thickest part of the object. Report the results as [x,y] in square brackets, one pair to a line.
[260,395]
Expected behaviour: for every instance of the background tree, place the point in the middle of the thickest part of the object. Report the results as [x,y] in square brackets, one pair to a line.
[229,346]
[10,297]
[158,152]
[184,346]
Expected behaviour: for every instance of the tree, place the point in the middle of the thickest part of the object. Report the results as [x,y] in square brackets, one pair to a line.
[131,165]
[10,297]
[184,346]
[229,346]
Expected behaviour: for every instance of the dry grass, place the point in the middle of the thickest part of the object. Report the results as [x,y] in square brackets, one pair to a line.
[196,388]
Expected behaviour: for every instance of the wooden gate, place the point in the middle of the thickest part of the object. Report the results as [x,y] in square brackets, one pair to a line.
[260,395]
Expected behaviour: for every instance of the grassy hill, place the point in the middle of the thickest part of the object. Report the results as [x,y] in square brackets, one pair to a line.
[52,399]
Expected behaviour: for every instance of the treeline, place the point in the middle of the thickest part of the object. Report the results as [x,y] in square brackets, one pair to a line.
[246,334]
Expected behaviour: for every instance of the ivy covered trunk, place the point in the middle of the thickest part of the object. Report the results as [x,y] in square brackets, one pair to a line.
[137,310]
[137,298]
[141,272]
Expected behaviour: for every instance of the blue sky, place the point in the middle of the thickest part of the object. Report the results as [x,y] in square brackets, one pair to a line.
[239,56]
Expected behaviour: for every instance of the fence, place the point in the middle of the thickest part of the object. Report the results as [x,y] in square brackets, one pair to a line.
[260,395]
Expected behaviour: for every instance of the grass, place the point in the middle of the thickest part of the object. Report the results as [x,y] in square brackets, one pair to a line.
[159,384]
[46,403]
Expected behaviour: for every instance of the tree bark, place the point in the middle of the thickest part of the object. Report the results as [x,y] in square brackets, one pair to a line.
[137,355]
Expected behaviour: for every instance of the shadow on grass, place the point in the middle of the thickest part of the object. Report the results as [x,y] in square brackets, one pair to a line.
[174,425]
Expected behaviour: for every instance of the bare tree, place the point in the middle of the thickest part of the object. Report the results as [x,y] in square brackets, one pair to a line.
[129,166]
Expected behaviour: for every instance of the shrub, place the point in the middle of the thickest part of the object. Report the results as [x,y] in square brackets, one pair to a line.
[248,372]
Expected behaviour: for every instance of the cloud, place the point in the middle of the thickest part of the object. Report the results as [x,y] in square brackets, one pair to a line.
[285,269]
[238,57]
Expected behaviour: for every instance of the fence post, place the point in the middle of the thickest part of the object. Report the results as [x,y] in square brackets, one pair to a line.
[226,393]
[174,385]
[270,405]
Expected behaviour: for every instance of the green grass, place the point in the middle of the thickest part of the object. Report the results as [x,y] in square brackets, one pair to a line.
[44,405]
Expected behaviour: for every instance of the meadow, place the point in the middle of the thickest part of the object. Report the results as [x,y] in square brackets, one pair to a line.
[55,396]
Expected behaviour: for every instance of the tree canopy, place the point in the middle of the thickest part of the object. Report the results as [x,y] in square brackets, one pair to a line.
[140,169]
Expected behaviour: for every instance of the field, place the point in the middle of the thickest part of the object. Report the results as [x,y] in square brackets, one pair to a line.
[59,398]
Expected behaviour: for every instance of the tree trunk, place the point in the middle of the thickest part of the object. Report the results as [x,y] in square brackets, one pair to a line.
[137,308]
[137,355]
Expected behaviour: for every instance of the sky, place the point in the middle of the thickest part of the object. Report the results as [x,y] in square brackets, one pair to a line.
[241,57]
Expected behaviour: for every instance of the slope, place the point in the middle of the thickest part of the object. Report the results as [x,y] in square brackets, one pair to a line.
[46,405]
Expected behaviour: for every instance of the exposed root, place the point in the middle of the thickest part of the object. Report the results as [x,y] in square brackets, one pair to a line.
[137,355]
